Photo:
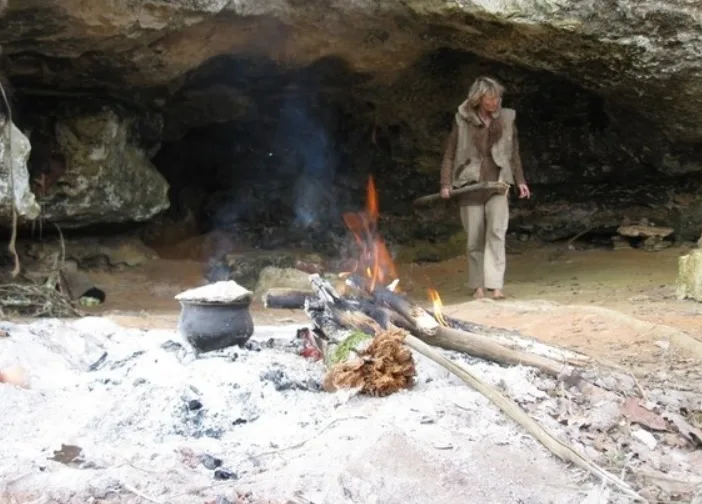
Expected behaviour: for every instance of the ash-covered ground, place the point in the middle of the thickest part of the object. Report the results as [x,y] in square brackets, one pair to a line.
[124,415]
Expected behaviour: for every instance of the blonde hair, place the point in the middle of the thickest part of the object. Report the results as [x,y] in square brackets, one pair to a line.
[481,87]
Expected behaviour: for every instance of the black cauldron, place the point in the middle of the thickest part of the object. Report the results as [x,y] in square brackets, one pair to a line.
[209,326]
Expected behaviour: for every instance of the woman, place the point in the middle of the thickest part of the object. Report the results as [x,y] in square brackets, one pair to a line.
[483,146]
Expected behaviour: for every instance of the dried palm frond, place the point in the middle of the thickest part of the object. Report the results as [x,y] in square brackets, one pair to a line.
[382,368]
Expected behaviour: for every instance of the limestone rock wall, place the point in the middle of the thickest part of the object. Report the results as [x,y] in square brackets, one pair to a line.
[634,68]
[14,153]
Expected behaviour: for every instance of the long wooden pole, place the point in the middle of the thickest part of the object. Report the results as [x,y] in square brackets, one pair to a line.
[512,410]
[424,326]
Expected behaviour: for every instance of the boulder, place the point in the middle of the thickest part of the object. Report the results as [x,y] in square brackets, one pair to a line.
[287,278]
[109,177]
[642,231]
[25,202]
[689,282]
[246,267]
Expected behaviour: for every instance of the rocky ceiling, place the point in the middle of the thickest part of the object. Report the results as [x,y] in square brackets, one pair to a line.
[604,87]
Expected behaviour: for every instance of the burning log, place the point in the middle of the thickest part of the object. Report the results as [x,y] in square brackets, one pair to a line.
[498,187]
[284,298]
[425,326]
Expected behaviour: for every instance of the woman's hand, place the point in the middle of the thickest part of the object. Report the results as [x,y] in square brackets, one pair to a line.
[524,191]
[445,192]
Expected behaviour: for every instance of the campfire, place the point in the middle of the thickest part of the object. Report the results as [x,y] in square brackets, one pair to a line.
[374,261]
[365,329]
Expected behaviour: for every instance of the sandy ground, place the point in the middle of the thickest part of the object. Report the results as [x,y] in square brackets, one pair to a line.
[554,295]
[260,412]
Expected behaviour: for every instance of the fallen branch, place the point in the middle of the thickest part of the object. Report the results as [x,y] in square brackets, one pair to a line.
[485,348]
[425,327]
[302,443]
[138,493]
[498,187]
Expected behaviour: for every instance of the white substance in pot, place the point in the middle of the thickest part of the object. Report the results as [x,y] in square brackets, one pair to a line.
[227,291]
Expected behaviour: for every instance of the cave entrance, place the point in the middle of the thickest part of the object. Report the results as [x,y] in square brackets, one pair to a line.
[262,157]
[275,155]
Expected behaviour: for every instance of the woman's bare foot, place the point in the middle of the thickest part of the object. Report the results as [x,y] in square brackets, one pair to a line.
[497,294]
[478,293]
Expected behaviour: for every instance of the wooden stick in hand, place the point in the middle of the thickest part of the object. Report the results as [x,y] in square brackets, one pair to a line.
[498,187]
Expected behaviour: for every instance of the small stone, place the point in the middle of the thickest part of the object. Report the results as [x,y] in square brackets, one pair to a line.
[655,244]
[171,346]
[619,243]
[210,462]
[252,346]
[665,345]
[239,421]
[224,474]
[139,381]
[194,404]
[281,381]
[646,438]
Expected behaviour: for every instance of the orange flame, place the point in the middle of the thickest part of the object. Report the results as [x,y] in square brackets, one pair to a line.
[375,259]
[438,305]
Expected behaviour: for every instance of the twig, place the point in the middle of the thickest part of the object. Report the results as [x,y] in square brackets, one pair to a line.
[303,443]
[141,494]
[580,234]
[511,409]
[638,386]
[35,300]
[63,246]
[682,479]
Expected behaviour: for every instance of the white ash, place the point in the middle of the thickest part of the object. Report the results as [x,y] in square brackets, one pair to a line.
[144,416]
[226,291]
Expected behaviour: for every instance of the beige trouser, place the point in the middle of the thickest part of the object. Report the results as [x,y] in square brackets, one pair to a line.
[486,227]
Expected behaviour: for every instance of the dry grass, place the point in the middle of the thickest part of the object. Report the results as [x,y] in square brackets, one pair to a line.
[31,300]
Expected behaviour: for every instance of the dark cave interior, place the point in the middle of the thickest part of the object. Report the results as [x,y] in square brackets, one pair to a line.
[275,155]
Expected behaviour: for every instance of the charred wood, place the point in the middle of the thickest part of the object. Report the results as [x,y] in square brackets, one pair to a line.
[282,298]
